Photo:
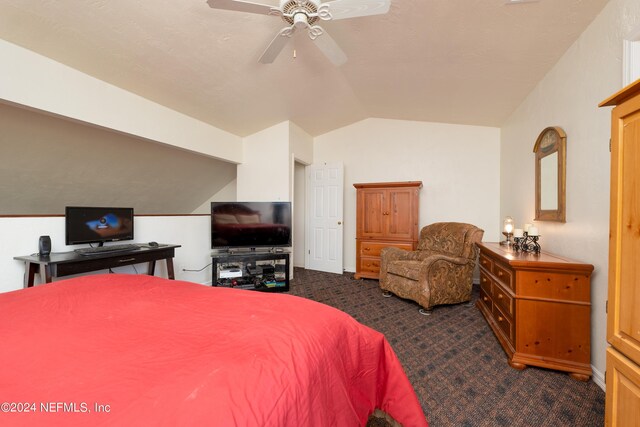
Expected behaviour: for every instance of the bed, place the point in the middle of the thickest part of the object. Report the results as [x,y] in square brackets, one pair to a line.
[140,350]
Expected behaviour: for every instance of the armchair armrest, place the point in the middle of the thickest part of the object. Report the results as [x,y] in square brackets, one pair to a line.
[431,258]
[390,254]
[394,254]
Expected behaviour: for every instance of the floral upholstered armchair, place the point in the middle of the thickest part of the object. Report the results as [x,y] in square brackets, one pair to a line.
[440,271]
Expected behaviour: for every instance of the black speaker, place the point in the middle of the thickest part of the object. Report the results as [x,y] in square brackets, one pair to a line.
[44,246]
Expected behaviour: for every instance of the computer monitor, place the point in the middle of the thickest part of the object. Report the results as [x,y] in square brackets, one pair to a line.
[97,224]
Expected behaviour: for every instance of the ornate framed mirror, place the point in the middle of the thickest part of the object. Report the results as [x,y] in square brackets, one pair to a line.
[551,157]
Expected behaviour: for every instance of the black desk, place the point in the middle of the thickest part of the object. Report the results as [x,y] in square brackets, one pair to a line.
[67,263]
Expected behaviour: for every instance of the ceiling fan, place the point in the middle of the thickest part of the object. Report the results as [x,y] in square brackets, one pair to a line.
[303,15]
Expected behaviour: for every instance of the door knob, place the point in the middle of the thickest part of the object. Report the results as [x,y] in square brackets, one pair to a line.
[339,222]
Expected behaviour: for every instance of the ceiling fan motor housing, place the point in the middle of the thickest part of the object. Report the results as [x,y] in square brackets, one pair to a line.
[299,7]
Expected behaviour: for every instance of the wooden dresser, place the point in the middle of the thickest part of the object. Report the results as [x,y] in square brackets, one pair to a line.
[623,314]
[539,307]
[386,215]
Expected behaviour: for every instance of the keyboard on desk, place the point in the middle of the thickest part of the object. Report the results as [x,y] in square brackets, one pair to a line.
[106,249]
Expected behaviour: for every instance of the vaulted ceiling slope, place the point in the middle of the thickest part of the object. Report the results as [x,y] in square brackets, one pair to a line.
[467,62]
[47,163]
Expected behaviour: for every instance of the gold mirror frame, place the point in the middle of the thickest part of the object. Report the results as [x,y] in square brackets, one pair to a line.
[552,140]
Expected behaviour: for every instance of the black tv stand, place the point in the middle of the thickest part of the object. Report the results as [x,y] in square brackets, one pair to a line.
[260,271]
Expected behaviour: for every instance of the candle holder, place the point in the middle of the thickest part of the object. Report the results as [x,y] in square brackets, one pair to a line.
[527,243]
[508,231]
[507,241]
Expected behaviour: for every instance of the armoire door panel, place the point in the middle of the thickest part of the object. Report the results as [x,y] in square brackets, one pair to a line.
[623,391]
[373,208]
[629,314]
[400,224]
[625,300]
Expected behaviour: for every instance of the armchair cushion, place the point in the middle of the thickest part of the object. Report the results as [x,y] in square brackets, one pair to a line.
[410,269]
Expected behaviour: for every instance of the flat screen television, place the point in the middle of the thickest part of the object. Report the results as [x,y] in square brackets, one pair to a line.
[250,224]
[97,225]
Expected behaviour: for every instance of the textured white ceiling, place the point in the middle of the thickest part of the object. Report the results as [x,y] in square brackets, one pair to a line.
[454,61]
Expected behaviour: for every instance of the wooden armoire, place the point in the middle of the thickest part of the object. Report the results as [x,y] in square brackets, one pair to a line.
[386,215]
[623,306]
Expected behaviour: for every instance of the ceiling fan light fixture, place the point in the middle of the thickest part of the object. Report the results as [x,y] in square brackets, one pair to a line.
[301,20]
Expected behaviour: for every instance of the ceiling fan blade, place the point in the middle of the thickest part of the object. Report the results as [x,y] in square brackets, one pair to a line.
[343,9]
[276,46]
[330,48]
[241,6]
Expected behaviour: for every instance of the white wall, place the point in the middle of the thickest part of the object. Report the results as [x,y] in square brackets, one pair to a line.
[301,153]
[300,144]
[265,173]
[19,236]
[459,167]
[299,220]
[568,97]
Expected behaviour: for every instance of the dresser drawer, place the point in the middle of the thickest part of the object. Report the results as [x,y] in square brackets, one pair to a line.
[485,299]
[485,283]
[503,300]
[374,248]
[555,286]
[485,262]
[370,265]
[504,323]
[503,274]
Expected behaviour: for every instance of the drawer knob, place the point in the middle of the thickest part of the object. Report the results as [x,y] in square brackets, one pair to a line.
[500,319]
[367,249]
[499,296]
[499,273]
[485,299]
[484,280]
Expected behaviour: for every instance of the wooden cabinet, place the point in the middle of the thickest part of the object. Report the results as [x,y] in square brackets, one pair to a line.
[539,307]
[623,314]
[386,215]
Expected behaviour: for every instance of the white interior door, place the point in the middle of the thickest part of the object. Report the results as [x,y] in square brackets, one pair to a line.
[325,187]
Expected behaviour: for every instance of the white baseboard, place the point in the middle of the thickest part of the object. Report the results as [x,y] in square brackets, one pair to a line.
[598,378]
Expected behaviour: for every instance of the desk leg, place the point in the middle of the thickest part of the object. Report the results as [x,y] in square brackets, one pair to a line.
[152,268]
[45,273]
[170,272]
[30,270]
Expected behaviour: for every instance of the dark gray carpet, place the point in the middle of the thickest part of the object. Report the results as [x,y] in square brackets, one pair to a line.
[455,363]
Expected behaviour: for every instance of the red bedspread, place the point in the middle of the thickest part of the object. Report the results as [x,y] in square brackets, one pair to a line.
[139,350]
